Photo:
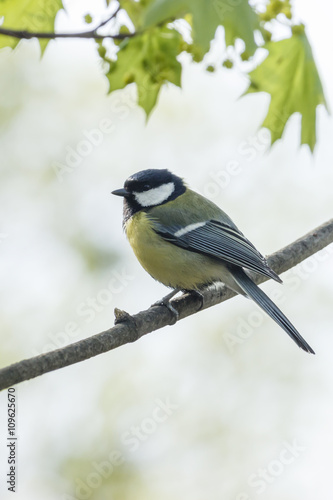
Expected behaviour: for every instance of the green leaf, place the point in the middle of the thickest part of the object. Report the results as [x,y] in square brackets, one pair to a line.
[290,76]
[149,60]
[28,15]
[237,17]
[135,10]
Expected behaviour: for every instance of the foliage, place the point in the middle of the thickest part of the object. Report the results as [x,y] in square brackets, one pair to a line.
[149,60]
[149,43]
[28,15]
[289,75]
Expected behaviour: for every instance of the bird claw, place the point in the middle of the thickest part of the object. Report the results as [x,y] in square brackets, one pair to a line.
[165,301]
[169,306]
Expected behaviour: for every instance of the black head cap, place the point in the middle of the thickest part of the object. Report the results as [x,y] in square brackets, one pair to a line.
[151,178]
[141,189]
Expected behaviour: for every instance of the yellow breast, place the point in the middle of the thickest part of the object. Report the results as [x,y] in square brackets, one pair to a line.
[171,265]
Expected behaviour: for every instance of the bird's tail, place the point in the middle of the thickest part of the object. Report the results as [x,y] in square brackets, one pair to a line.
[263,301]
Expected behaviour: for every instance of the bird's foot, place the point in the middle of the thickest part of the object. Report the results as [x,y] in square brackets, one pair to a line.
[165,301]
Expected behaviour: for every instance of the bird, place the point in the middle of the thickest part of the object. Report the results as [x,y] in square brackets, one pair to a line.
[185,241]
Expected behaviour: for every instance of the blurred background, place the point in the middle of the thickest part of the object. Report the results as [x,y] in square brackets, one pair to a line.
[222,405]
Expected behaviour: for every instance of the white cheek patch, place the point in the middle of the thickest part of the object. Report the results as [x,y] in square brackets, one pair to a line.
[189,228]
[155,196]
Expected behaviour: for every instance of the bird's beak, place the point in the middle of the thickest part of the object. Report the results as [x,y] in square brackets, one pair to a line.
[121,192]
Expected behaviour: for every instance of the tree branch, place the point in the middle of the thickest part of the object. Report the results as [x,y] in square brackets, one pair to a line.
[131,328]
[23,34]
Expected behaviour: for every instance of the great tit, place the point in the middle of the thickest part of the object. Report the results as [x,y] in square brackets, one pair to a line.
[186,242]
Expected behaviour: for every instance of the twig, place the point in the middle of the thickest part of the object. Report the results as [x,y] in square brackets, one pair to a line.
[41,35]
[23,34]
[108,19]
[131,328]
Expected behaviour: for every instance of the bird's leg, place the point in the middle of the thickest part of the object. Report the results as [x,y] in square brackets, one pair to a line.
[165,301]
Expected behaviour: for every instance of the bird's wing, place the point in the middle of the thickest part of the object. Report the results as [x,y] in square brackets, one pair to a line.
[219,240]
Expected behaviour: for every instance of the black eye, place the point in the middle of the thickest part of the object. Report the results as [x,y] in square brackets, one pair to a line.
[146,187]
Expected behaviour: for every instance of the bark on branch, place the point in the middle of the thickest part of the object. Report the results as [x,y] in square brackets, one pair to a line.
[131,328]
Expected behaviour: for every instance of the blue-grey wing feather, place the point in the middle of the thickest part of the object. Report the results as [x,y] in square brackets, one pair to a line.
[221,241]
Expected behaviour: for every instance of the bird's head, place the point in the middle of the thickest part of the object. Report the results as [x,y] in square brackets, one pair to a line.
[150,188]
